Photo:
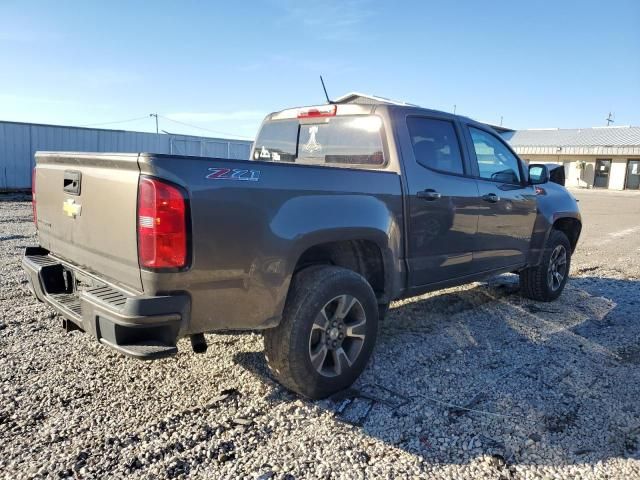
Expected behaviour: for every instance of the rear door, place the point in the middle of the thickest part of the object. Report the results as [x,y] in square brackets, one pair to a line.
[442,200]
[86,208]
[508,208]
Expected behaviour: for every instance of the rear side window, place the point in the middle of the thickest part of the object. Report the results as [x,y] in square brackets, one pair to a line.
[435,144]
[343,140]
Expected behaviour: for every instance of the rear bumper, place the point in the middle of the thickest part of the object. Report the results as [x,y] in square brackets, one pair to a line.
[135,325]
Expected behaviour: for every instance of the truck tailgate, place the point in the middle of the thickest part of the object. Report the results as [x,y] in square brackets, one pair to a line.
[86,212]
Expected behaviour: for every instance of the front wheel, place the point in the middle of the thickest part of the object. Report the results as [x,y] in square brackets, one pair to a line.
[546,281]
[327,332]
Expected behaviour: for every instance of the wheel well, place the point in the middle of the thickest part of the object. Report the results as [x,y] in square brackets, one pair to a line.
[571,228]
[361,256]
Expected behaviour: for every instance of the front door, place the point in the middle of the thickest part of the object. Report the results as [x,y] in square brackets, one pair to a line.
[509,207]
[633,175]
[442,201]
[601,178]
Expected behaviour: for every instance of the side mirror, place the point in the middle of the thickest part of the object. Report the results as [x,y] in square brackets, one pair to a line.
[538,174]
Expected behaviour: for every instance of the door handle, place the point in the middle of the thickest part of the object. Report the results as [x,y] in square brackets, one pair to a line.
[491,198]
[428,194]
[71,182]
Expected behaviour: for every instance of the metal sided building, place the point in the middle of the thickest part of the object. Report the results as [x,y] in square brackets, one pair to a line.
[20,141]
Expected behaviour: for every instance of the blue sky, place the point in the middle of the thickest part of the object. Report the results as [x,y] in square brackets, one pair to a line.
[222,66]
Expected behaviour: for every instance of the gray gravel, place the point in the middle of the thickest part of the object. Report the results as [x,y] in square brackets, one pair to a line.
[472,382]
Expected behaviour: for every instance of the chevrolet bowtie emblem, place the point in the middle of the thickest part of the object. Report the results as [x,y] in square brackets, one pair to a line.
[71,208]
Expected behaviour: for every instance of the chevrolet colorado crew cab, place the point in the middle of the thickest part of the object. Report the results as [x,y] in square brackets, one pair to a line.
[341,209]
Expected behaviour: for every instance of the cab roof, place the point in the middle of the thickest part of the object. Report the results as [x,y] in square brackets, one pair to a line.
[339,109]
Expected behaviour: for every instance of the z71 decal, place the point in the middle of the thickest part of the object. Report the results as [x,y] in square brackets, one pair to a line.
[233,174]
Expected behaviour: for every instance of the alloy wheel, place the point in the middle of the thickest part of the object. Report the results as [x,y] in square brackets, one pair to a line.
[557,268]
[337,335]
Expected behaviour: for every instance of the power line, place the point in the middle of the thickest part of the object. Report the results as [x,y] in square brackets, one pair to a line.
[217,132]
[156,115]
[113,123]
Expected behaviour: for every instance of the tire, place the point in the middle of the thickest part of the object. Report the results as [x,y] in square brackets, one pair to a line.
[543,282]
[294,349]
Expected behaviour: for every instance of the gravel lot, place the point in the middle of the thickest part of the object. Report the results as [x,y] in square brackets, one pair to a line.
[472,382]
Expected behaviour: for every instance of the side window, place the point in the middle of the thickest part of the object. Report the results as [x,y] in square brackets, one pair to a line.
[435,144]
[495,161]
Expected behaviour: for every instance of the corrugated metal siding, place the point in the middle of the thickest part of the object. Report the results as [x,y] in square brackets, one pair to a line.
[20,141]
[15,156]
[239,151]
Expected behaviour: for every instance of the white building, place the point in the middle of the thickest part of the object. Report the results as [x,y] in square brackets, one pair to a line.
[598,157]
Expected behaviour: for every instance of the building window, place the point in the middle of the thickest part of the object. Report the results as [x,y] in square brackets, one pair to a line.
[633,174]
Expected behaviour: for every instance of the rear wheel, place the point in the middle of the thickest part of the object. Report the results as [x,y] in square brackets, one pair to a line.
[546,281]
[327,332]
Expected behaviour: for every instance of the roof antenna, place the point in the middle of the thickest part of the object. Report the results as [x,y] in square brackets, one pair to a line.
[325,92]
[609,119]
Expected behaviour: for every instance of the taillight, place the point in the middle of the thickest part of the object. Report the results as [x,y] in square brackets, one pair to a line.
[33,197]
[323,111]
[162,228]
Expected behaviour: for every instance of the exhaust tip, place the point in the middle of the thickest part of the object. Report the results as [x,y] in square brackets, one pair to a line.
[198,343]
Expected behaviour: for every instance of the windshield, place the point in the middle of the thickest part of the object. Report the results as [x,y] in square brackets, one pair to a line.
[344,140]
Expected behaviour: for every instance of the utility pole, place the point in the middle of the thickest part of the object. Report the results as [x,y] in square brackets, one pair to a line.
[610,120]
[155,115]
[500,120]
[454,108]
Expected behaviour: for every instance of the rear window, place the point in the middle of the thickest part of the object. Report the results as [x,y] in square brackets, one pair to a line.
[345,140]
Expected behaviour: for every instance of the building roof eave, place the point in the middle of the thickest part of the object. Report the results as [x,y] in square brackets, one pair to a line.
[582,150]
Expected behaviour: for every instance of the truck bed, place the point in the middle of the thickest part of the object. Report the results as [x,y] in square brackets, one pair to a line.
[248,223]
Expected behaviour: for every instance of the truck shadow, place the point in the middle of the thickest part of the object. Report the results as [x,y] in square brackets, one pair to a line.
[483,372]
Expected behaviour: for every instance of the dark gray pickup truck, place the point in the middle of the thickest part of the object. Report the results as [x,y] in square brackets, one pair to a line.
[342,209]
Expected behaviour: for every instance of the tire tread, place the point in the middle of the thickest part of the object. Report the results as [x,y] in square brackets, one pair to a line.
[533,280]
[279,341]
